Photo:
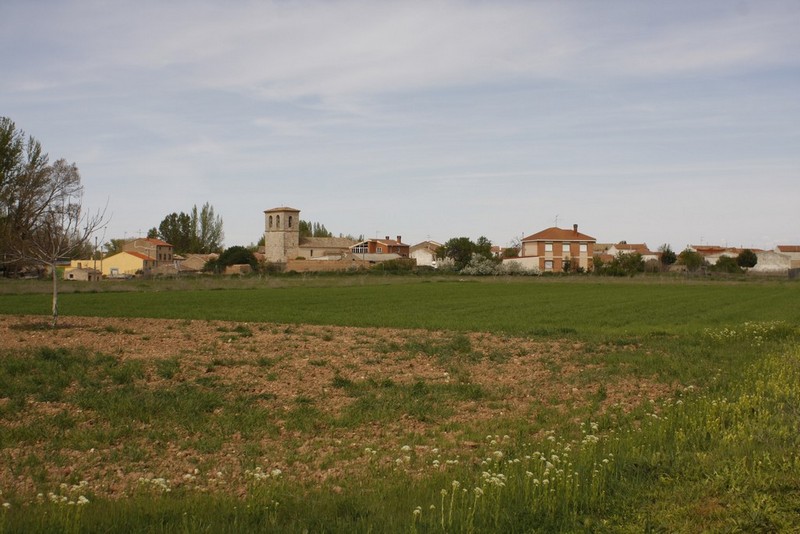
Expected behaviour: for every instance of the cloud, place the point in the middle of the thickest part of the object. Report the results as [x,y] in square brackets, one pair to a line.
[340,50]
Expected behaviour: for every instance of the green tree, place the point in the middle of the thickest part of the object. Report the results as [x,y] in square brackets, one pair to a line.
[668,257]
[726,264]
[42,219]
[206,229]
[458,249]
[24,180]
[623,264]
[236,255]
[198,232]
[313,229]
[176,229]
[747,259]
[114,246]
[691,259]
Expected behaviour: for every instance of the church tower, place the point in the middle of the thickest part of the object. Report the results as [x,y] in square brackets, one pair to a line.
[281,234]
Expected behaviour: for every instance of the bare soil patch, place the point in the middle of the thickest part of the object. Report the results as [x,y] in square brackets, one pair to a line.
[282,369]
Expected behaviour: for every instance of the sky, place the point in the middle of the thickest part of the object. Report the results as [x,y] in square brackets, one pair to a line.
[658,122]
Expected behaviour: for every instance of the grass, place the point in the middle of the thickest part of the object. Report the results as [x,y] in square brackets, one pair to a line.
[716,450]
[534,308]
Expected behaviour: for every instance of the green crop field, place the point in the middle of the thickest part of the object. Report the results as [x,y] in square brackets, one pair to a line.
[587,309]
[371,404]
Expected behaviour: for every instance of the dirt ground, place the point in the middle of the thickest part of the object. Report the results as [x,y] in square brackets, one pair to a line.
[520,376]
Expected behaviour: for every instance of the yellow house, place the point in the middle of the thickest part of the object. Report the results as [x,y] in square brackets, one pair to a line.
[127,264]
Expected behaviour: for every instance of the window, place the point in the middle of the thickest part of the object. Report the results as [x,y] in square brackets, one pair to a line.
[290,221]
[361,248]
[380,249]
[270,221]
[584,248]
[278,221]
[548,247]
[548,265]
[565,249]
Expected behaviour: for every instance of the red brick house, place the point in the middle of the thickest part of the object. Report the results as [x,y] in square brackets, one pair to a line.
[382,246]
[554,248]
[155,249]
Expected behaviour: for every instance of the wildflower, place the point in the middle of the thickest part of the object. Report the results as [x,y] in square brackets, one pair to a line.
[417,511]
[405,448]
[477,491]
[456,484]
[498,454]
[6,505]
[82,500]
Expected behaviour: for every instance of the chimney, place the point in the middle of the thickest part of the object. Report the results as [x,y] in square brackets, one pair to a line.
[387,238]
[575,228]
[399,239]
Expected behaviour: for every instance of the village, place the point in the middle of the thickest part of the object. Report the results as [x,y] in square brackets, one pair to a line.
[551,250]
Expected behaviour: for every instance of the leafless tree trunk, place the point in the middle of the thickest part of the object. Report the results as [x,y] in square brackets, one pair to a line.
[54,224]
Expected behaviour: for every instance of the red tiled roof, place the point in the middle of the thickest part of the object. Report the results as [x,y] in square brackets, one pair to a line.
[390,242]
[151,240]
[789,248]
[558,234]
[139,255]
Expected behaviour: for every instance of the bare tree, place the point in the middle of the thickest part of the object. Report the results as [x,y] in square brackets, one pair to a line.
[55,224]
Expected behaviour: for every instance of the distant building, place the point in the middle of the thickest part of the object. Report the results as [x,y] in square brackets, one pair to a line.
[792,252]
[160,251]
[425,253]
[551,249]
[282,241]
[381,246]
[82,274]
[629,248]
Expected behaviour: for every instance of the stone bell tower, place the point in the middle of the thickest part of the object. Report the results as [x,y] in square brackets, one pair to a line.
[281,234]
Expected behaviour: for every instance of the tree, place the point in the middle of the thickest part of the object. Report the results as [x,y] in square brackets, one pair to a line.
[198,232]
[726,264]
[747,259]
[175,229]
[461,249]
[206,230]
[114,246]
[24,174]
[235,255]
[691,259]
[623,264]
[41,213]
[668,257]
[313,229]
[43,219]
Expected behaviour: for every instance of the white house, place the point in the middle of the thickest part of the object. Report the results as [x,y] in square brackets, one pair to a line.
[425,253]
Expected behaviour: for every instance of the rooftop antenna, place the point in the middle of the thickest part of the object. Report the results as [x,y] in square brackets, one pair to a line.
[556,220]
